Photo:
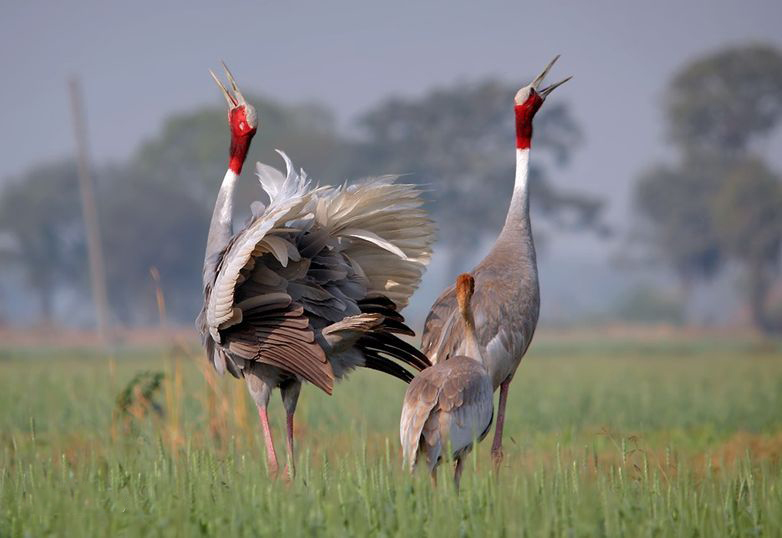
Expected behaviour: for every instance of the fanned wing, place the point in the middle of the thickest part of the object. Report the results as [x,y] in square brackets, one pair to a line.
[290,203]
[310,259]
[384,232]
[378,345]
[279,334]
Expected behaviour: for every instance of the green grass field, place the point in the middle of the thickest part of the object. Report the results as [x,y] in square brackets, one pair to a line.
[627,439]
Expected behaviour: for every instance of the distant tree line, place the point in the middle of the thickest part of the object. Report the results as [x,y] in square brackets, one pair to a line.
[154,208]
[720,202]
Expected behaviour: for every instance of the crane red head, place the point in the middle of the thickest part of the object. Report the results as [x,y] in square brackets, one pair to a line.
[241,118]
[528,100]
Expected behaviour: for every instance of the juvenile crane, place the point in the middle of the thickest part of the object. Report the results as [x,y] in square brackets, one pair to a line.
[451,403]
[310,288]
[507,295]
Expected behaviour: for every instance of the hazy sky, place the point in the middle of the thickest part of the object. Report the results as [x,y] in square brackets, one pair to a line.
[140,61]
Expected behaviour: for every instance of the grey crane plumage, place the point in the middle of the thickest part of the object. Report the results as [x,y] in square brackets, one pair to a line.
[449,405]
[506,302]
[312,286]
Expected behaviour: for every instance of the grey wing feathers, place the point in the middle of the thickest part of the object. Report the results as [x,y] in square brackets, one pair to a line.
[374,234]
[378,345]
[437,323]
[345,333]
[420,400]
[467,409]
[450,402]
[504,325]
[287,285]
[280,335]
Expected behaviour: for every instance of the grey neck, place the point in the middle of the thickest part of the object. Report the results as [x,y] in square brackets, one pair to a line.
[220,229]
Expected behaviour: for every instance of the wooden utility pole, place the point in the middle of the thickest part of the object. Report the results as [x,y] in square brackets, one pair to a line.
[90,214]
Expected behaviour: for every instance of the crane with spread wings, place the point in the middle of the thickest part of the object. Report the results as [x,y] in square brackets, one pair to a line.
[311,287]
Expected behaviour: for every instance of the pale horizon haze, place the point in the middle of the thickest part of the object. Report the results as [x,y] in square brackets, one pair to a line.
[140,62]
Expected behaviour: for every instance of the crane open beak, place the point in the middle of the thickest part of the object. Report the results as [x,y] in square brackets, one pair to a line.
[233,100]
[539,79]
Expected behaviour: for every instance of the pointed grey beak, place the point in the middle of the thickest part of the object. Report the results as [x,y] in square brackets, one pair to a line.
[545,91]
[237,94]
[228,99]
[539,79]
[233,100]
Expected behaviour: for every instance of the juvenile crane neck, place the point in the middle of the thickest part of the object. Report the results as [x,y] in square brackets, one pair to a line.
[472,349]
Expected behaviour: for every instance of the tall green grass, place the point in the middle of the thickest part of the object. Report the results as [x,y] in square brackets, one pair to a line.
[598,443]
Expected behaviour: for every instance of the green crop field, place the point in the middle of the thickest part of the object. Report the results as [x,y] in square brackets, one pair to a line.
[623,439]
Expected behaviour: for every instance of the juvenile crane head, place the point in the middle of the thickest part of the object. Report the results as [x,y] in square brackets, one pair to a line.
[528,101]
[241,118]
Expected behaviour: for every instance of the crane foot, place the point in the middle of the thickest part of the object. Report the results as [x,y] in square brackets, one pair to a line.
[273,470]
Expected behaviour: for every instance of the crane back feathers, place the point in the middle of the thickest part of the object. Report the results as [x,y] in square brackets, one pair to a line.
[447,404]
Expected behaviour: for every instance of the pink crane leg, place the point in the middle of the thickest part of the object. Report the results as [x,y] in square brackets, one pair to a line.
[289,445]
[271,455]
[496,446]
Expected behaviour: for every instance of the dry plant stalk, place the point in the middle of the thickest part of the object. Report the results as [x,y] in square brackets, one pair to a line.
[216,413]
[172,384]
[239,405]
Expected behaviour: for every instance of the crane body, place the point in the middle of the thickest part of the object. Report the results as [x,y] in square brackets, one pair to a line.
[449,406]
[311,287]
[506,302]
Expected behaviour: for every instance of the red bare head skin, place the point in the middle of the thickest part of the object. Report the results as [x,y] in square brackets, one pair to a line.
[244,124]
[241,118]
[528,101]
[525,112]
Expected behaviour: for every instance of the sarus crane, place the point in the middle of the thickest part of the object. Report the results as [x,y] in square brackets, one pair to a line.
[449,405]
[507,295]
[311,287]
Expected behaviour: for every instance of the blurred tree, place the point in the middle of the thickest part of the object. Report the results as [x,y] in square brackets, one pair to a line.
[458,141]
[720,201]
[149,223]
[677,204]
[40,213]
[726,100]
[748,217]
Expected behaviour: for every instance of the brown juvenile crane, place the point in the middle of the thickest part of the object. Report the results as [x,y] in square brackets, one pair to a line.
[507,294]
[310,287]
[449,405]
